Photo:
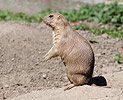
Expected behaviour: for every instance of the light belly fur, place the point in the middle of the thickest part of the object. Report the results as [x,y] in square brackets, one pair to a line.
[53,36]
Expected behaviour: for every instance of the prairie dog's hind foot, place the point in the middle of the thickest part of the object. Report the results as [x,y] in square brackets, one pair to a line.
[69,86]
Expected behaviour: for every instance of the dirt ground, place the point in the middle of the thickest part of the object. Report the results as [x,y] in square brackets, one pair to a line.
[22,46]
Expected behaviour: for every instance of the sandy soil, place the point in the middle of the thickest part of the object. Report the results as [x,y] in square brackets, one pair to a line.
[22,45]
[80,93]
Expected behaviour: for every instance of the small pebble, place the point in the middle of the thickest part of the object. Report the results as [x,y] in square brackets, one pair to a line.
[12,40]
[48,82]
[44,76]
[56,84]
[37,64]
[6,76]
[6,86]
[1,87]
[13,59]
[106,95]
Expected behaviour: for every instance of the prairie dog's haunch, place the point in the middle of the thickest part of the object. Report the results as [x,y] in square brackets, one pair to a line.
[74,50]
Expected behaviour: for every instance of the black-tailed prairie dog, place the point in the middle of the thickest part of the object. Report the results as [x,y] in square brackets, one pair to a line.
[74,50]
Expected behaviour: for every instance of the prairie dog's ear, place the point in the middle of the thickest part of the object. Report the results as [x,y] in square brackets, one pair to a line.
[63,19]
[59,17]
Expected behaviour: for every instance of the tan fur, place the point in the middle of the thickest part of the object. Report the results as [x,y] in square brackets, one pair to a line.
[74,50]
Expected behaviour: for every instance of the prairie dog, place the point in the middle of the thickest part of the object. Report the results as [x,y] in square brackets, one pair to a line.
[74,50]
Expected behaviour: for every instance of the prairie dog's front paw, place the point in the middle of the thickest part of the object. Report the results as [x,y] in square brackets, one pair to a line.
[45,58]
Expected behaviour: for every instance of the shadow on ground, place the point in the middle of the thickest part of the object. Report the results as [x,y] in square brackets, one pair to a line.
[98,81]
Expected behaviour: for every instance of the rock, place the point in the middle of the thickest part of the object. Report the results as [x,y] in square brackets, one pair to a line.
[56,84]
[13,59]
[44,76]
[6,86]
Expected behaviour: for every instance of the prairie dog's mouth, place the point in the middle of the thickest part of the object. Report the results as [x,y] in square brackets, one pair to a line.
[49,24]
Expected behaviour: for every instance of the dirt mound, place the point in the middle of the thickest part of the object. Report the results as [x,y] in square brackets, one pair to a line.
[22,45]
[80,92]
[84,93]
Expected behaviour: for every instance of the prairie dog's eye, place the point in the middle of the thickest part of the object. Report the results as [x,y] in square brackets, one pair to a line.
[51,16]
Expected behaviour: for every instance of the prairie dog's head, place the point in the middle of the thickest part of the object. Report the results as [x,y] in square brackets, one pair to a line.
[55,20]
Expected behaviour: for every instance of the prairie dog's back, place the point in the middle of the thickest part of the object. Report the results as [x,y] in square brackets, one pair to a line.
[78,50]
